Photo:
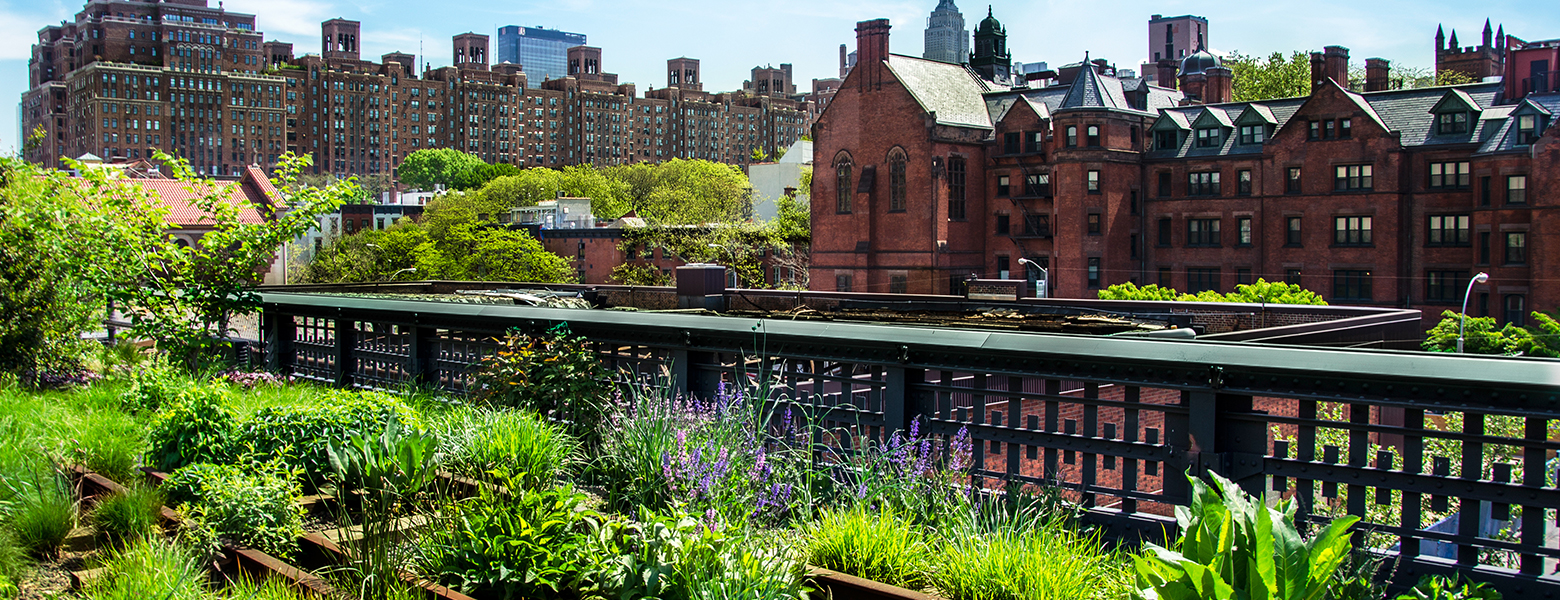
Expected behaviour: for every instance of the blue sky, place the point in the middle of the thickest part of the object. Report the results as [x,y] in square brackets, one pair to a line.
[731,37]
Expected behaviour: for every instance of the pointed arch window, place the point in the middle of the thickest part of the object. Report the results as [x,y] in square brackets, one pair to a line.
[842,182]
[896,180]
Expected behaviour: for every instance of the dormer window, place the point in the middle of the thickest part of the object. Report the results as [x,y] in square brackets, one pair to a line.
[1166,140]
[1527,129]
[1252,134]
[1456,122]
[1208,138]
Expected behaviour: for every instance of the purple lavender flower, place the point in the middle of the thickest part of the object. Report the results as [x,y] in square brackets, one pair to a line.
[962,450]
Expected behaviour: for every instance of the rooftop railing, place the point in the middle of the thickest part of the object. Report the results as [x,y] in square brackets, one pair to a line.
[1445,457]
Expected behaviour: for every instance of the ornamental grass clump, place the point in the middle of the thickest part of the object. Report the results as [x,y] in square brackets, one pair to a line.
[150,569]
[509,445]
[1051,562]
[127,516]
[883,546]
[44,514]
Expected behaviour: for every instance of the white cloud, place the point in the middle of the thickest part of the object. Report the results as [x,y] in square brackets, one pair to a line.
[19,28]
[296,21]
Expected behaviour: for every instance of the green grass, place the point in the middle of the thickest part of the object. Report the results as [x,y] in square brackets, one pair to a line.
[128,516]
[1053,561]
[881,546]
[150,569]
[273,588]
[45,513]
[508,445]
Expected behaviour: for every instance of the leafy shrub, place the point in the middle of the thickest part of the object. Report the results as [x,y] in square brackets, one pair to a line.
[44,516]
[680,557]
[251,379]
[1234,545]
[393,464]
[552,374]
[128,516]
[881,546]
[151,568]
[254,506]
[197,428]
[1270,292]
[1480,336]
[1439,587]
[511,445]
[301,435]
[151,389]
[534,544]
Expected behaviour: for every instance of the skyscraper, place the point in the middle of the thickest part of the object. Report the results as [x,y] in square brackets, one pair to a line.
[946,38]
[541,53]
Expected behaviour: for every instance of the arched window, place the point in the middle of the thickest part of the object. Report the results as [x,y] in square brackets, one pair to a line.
[896,179]
[956,186]
[842,182]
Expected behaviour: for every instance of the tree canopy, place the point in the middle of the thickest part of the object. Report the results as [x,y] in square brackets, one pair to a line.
[448,167]
[1273,77]
[1480,336]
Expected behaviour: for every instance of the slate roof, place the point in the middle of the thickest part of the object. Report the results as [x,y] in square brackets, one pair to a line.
[952,92]
[1091,90]
[1408,111]
[1502,135]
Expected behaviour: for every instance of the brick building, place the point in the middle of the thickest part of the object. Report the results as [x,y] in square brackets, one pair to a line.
[930,173]
[128,78]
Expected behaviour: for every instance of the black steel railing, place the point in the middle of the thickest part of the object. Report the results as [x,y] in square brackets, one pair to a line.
[1445,457]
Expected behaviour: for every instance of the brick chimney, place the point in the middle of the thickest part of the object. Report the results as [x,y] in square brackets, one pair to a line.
[1337,64]
[1220,86]
[1318,71]
[1167,72]
[1376,70]
[871,51]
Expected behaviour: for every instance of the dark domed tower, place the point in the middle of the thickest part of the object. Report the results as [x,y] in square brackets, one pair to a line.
[991,58]
[1204,78]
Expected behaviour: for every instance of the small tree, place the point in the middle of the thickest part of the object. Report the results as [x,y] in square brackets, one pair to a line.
[1481,336]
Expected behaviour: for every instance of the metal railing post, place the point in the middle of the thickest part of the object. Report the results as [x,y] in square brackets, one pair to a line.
[344,335]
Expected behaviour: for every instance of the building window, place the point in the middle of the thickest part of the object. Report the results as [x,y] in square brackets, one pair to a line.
[1037,225]
[1243,182]
[1516,248]
[1527,129]
[1072,136]
[1292,276]
[1516,310]
[1352,177]
[1164,184]
[1329,130]
[1164,277]
[1292,231]
[842,191]
[1449,175]
[1093,221]
[841,282]
[1516,189]
[1032,141]
[1351,231]
[956,188]
[1202,232]
[1132,244]
[1484,247]
[1037,185]
[1351,285]
[1243,231]
[1345,128]
[1208,137]
[1010,143]
[1202,280]
[1002,186]
[1484,191]
[896,181]
[1292,181]
[1092,136]
[1448,230]
[1252,134]
[1166,140]
[1132,202]
[1094,272]
[1164,231]
[1448,123]
[1202,184]
[1093,182]
[1243,276]
[898,284]
[1002,225]
[1315,132]
[1444,286]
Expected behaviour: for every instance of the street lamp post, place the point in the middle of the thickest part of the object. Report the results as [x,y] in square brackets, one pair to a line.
[1462,318]
[397,273]
[1044,274]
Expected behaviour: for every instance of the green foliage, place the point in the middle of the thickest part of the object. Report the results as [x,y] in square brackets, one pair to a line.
[639,274]
[1480,336]
[1258,79]
[148,569]
[1233,545]
[386,467]
[271,588]
[510,446]
[552,374]
[679,557]
[1439,587]
[534,544]
[254,505]
[300,436]
[198,427]
[882,546]
[1054,561]
[13,561]
[128,516]
[152,388]
[1271,292]
[448,167]
[109,443]
[677,192]
[44,515]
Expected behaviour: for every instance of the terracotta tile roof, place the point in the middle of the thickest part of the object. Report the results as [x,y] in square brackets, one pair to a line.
[248,193]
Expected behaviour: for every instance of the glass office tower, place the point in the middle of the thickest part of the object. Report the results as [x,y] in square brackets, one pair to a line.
[541,53]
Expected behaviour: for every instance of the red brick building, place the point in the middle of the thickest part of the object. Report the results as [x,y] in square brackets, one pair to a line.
[930,173]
